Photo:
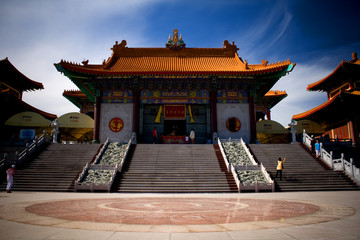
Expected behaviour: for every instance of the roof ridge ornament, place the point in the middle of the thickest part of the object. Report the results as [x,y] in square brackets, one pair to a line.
[231,47]
[175,42]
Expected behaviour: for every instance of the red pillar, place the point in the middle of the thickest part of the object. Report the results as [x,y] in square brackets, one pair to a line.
[352,132]
[252,115]
[213,111]
[97,116]
[268,115]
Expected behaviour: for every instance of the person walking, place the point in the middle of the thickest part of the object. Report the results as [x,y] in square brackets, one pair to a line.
[192,136]
[280,167]
[10,177]
[154,135]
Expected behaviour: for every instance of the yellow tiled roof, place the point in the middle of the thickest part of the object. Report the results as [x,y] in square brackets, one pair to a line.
[181,61]
[177,64]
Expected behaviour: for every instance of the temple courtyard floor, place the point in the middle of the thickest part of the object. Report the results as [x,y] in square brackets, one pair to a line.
[111,216]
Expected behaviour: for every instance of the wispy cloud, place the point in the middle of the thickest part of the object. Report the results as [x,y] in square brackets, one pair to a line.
[299,100]
[37,34]
[260,38]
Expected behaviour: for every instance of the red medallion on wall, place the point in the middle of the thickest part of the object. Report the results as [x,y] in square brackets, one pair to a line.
[116,124]
[233,124]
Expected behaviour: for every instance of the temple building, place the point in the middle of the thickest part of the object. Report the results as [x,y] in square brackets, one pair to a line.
[175,89]
[339,115]
[12,85]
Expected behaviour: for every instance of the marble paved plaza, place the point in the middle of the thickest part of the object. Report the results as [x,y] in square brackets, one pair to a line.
[300,215]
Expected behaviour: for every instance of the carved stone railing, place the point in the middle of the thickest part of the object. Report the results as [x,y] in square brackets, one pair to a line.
[102,150]
[2,163]
[326,157]
[80,185]
[339,164]
[254,186]
[30,149]
[307,140]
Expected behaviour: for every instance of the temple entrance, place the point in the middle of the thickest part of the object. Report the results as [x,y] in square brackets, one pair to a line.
[182,127]
[174,127]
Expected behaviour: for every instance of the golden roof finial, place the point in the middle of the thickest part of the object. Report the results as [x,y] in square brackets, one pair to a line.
[175,42]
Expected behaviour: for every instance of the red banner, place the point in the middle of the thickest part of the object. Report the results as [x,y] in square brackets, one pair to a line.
[175,112]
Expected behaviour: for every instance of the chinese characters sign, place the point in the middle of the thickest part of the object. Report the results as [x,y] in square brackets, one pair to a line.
[174,111]
[224,96]
[175,97]
[110,96]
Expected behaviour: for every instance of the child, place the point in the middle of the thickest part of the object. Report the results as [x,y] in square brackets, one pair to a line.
[280,167]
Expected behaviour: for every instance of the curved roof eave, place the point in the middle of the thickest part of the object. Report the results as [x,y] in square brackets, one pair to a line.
[315,84]
[100,72]
[28,83]
[307,114]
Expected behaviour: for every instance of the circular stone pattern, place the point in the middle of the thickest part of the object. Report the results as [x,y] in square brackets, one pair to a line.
[172,211]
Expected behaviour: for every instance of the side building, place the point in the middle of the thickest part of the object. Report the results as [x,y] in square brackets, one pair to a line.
[176,89]
[12,86]
[339,115]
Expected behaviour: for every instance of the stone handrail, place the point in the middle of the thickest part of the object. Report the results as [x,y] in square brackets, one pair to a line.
[307,139]
[101,152]
[228,165]
[250,156]
[340,164]
[30,149]
[2,164]
[326,157]
[124,158]
[236,177]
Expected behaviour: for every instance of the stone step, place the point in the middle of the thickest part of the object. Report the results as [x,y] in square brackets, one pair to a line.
[172,179]
[55,169]
[185,190]
[302,172]
[168,168]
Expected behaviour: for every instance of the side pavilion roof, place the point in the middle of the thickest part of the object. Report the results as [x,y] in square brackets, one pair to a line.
[337,109]
[15,79]
[346,71]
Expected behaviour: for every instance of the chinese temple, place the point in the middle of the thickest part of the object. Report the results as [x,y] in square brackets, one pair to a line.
[338,116]
[175,89]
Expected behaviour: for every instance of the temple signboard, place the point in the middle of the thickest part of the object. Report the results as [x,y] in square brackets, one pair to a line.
[172,97]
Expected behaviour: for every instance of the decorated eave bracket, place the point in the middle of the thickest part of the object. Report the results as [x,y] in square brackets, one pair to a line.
[175,42]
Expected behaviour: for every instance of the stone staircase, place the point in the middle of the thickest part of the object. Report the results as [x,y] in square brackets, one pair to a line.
[301,171]
[55,169]
[177,168]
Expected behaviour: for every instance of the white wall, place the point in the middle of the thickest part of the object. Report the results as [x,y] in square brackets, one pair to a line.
[229,110]
[116,110]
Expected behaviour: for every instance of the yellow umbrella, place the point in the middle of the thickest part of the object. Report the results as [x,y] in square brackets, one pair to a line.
[309,126]
[28,119]
[270,127]
[268,131]
[75,120]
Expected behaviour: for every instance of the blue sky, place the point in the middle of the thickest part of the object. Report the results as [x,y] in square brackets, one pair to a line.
[315,34]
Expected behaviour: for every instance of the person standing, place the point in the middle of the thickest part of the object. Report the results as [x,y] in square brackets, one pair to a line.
[280,167]
[154,134]
[192,136]
[317,148]
[10,177]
